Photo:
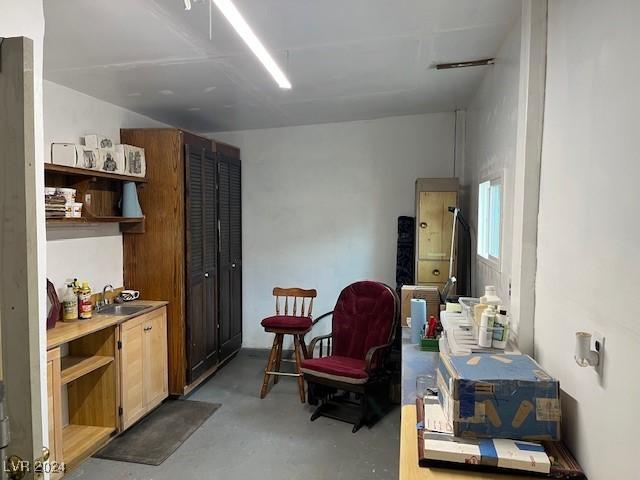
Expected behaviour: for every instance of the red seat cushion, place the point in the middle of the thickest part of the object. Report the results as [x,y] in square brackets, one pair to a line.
[287,322]
[345,369]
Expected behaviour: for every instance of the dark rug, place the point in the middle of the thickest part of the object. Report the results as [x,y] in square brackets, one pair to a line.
[152,440]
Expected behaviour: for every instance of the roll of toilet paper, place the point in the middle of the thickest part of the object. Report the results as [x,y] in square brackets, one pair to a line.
[418,318]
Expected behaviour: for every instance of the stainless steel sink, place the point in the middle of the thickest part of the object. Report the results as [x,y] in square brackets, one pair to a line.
[121,309]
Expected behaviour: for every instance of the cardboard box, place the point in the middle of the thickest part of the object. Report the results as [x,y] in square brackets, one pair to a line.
[135,163]
[87,157]
[110,160]
[499,396]
[428,293]
[97,141]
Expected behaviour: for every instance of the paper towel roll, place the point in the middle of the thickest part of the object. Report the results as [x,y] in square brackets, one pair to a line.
[418,318]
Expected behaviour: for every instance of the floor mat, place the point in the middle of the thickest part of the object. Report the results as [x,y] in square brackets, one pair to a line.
[156,437]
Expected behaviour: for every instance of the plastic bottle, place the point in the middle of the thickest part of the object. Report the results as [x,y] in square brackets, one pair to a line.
[84,301]
[70,304]
[490,296]
[501,330]
[485,335]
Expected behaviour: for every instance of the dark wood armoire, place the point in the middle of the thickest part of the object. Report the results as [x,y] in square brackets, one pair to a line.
[191,251]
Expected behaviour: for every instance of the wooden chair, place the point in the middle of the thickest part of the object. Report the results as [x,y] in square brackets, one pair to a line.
[296,324]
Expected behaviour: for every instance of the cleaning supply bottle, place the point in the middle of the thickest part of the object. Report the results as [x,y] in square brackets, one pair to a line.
[69,304]
[485,335]
[501,329]
[84,301]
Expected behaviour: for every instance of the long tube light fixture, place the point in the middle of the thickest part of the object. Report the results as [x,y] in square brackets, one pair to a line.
[243,29]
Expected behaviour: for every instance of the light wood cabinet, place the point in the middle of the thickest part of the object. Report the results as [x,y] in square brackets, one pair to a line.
[55,407]
[434,225]
[143,365]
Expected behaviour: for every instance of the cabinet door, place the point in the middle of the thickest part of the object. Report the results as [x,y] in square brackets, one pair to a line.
[155,358]
[209,182]
[132,373]
[54,393]
[230,256]
[195,275]
[435,225]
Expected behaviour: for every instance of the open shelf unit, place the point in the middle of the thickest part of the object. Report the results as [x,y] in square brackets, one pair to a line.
[80,441]
[73,367]
[98,191]
[89,373]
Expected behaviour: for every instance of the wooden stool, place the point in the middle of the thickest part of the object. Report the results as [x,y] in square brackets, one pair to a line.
[296,325]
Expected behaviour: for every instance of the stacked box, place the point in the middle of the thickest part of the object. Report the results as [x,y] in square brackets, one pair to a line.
[499,396]
[428,293]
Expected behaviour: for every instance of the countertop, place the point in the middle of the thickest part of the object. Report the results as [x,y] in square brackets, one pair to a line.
[65,332]
[416,362]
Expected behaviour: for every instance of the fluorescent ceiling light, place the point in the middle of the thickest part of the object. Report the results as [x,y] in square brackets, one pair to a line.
[241,26]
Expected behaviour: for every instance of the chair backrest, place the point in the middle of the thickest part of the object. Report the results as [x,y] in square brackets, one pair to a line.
[365,316]
[299,297]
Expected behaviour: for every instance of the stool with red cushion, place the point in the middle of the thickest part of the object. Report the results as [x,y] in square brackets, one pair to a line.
[351,382]
[297,324]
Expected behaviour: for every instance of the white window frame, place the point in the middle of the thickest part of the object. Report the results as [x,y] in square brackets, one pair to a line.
[484,225]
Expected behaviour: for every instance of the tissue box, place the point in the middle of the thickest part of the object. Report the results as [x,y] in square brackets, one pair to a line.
[498,396]
[63,154]
[87,157]
[109,160]
[135,163]
[97,141]
[430,294]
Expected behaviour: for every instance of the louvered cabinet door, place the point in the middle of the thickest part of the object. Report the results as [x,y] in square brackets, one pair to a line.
[230,256]
[196,273]
[209,184]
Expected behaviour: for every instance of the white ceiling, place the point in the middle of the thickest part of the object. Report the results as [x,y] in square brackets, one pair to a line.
[347,59]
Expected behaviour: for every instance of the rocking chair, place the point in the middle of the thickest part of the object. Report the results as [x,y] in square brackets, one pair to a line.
[351,382]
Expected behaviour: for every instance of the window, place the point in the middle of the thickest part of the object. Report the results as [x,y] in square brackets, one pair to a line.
[489,219]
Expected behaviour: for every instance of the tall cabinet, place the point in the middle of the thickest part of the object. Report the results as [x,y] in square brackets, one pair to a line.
[191,252]
[434,224]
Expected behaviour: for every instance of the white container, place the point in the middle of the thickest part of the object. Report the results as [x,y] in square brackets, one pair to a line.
[490,296]
[50,190]
[110,161]
[501,330]
[76,210]
[63,154]
[97,141]
[68,210]
[485,335]
[135,163]
[87,157]
[69,194]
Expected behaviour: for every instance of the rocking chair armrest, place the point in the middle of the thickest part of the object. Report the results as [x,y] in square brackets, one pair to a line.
[322,316]
[373,354]
[312,344]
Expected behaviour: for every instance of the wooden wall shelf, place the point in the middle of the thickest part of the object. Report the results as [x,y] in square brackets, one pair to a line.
[84,172]
[128,224]
[73,367]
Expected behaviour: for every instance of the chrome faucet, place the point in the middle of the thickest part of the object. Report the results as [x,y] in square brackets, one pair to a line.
[103,301]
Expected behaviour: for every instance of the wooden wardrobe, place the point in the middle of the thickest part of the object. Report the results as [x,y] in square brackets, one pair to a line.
[191,251]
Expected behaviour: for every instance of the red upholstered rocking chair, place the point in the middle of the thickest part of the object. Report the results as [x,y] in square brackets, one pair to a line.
[351,382]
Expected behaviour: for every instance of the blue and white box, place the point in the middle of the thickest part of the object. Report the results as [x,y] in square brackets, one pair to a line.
[498,396]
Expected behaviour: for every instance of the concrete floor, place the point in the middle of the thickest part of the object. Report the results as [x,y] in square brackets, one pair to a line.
[267,439]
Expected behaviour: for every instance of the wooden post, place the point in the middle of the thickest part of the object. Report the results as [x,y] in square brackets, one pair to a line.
[19,317]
